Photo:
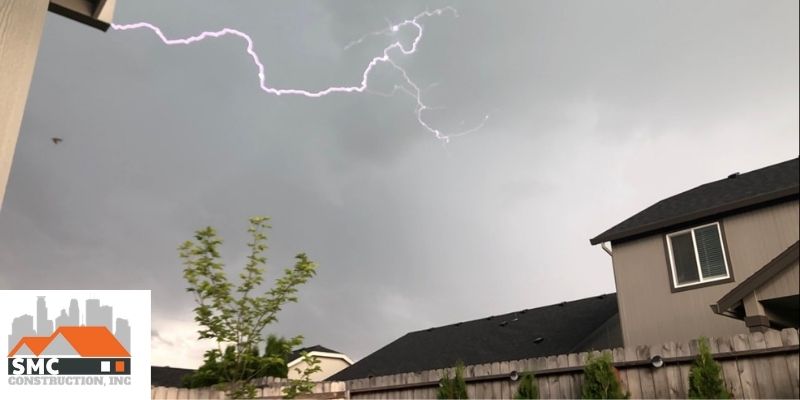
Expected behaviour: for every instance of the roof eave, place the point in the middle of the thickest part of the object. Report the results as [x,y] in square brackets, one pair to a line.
[783,194]
[94,13]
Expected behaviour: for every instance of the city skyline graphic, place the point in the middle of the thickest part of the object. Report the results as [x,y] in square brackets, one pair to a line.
[96,314]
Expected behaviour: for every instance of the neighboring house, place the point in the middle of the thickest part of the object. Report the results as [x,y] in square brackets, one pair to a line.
[731,244]
[562,328]
[331,362]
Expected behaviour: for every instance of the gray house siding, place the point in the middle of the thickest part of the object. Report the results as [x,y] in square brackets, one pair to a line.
[650,313]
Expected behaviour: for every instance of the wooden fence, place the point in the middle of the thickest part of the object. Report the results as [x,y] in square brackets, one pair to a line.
[755,365]
[268,388]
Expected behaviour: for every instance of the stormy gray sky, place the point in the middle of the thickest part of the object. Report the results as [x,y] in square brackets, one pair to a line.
[597,110]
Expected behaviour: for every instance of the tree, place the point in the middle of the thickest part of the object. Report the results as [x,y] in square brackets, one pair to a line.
[601,380]
[704,376]
[272,363]
[235,316]
[455,388]
[528,388]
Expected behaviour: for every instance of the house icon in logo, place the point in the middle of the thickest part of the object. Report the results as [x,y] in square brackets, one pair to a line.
[84,350]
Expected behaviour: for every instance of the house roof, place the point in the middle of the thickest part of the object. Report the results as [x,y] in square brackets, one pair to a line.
[763,186]
[567,327]
[298,353]
[168,376]
[88,341]
[36,344]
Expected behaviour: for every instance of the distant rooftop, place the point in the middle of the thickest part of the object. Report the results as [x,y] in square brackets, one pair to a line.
[737,192]
[298,353]
[168,376]
[581,325]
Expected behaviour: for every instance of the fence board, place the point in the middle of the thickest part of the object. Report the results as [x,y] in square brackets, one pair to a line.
[573,361]
[480,390]
[513,385]
[392,380]
[660,380]
[790,338]
[422,393]
[544,383]
[672,372]
[684,350]
[645,374]
[401,380]
[552,380]
[779,370]
[469,372]
[564,381]
[634,381]
[384,381]
[741,342]
[505,384]
[766,387]
[730,370]
[497,388]
[425,376]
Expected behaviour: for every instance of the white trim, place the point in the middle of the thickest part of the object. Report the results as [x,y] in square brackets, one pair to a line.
[321,354]
[700,276]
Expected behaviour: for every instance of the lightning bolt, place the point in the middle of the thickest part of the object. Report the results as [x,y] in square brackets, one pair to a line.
[409,87]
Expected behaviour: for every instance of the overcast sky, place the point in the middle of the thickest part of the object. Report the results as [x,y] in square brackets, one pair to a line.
[597,110]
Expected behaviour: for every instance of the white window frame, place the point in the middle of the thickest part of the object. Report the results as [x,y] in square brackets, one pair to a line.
[697,257]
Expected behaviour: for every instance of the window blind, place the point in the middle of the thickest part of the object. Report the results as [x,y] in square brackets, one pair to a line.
[709,251]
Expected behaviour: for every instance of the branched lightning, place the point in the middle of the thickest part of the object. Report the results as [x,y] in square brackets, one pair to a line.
[409,87]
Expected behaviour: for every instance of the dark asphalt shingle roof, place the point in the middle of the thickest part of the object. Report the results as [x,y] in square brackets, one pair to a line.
[567,327]
[737,192]
[168,376]
[298,353]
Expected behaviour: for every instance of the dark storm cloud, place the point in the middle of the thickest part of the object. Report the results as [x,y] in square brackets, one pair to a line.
[596,111]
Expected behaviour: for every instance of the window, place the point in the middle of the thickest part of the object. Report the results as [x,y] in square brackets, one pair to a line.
[697,256]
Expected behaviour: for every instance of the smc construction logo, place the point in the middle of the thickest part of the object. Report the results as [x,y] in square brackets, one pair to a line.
[86,343]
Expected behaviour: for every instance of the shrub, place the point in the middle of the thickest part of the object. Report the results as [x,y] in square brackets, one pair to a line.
[454,388]
[601,380]
[528,389]
[704,377]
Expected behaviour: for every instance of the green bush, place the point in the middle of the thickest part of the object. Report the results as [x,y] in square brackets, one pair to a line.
[455,388]
[600,379]
[528,389]
[704,377]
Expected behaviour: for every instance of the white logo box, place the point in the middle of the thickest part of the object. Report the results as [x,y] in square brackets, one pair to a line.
[131,305]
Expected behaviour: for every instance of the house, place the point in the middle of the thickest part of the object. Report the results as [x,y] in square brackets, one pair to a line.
[716,260]
[567,327]
[330,362]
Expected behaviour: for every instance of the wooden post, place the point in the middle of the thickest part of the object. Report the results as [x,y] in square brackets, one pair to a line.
[21,23]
